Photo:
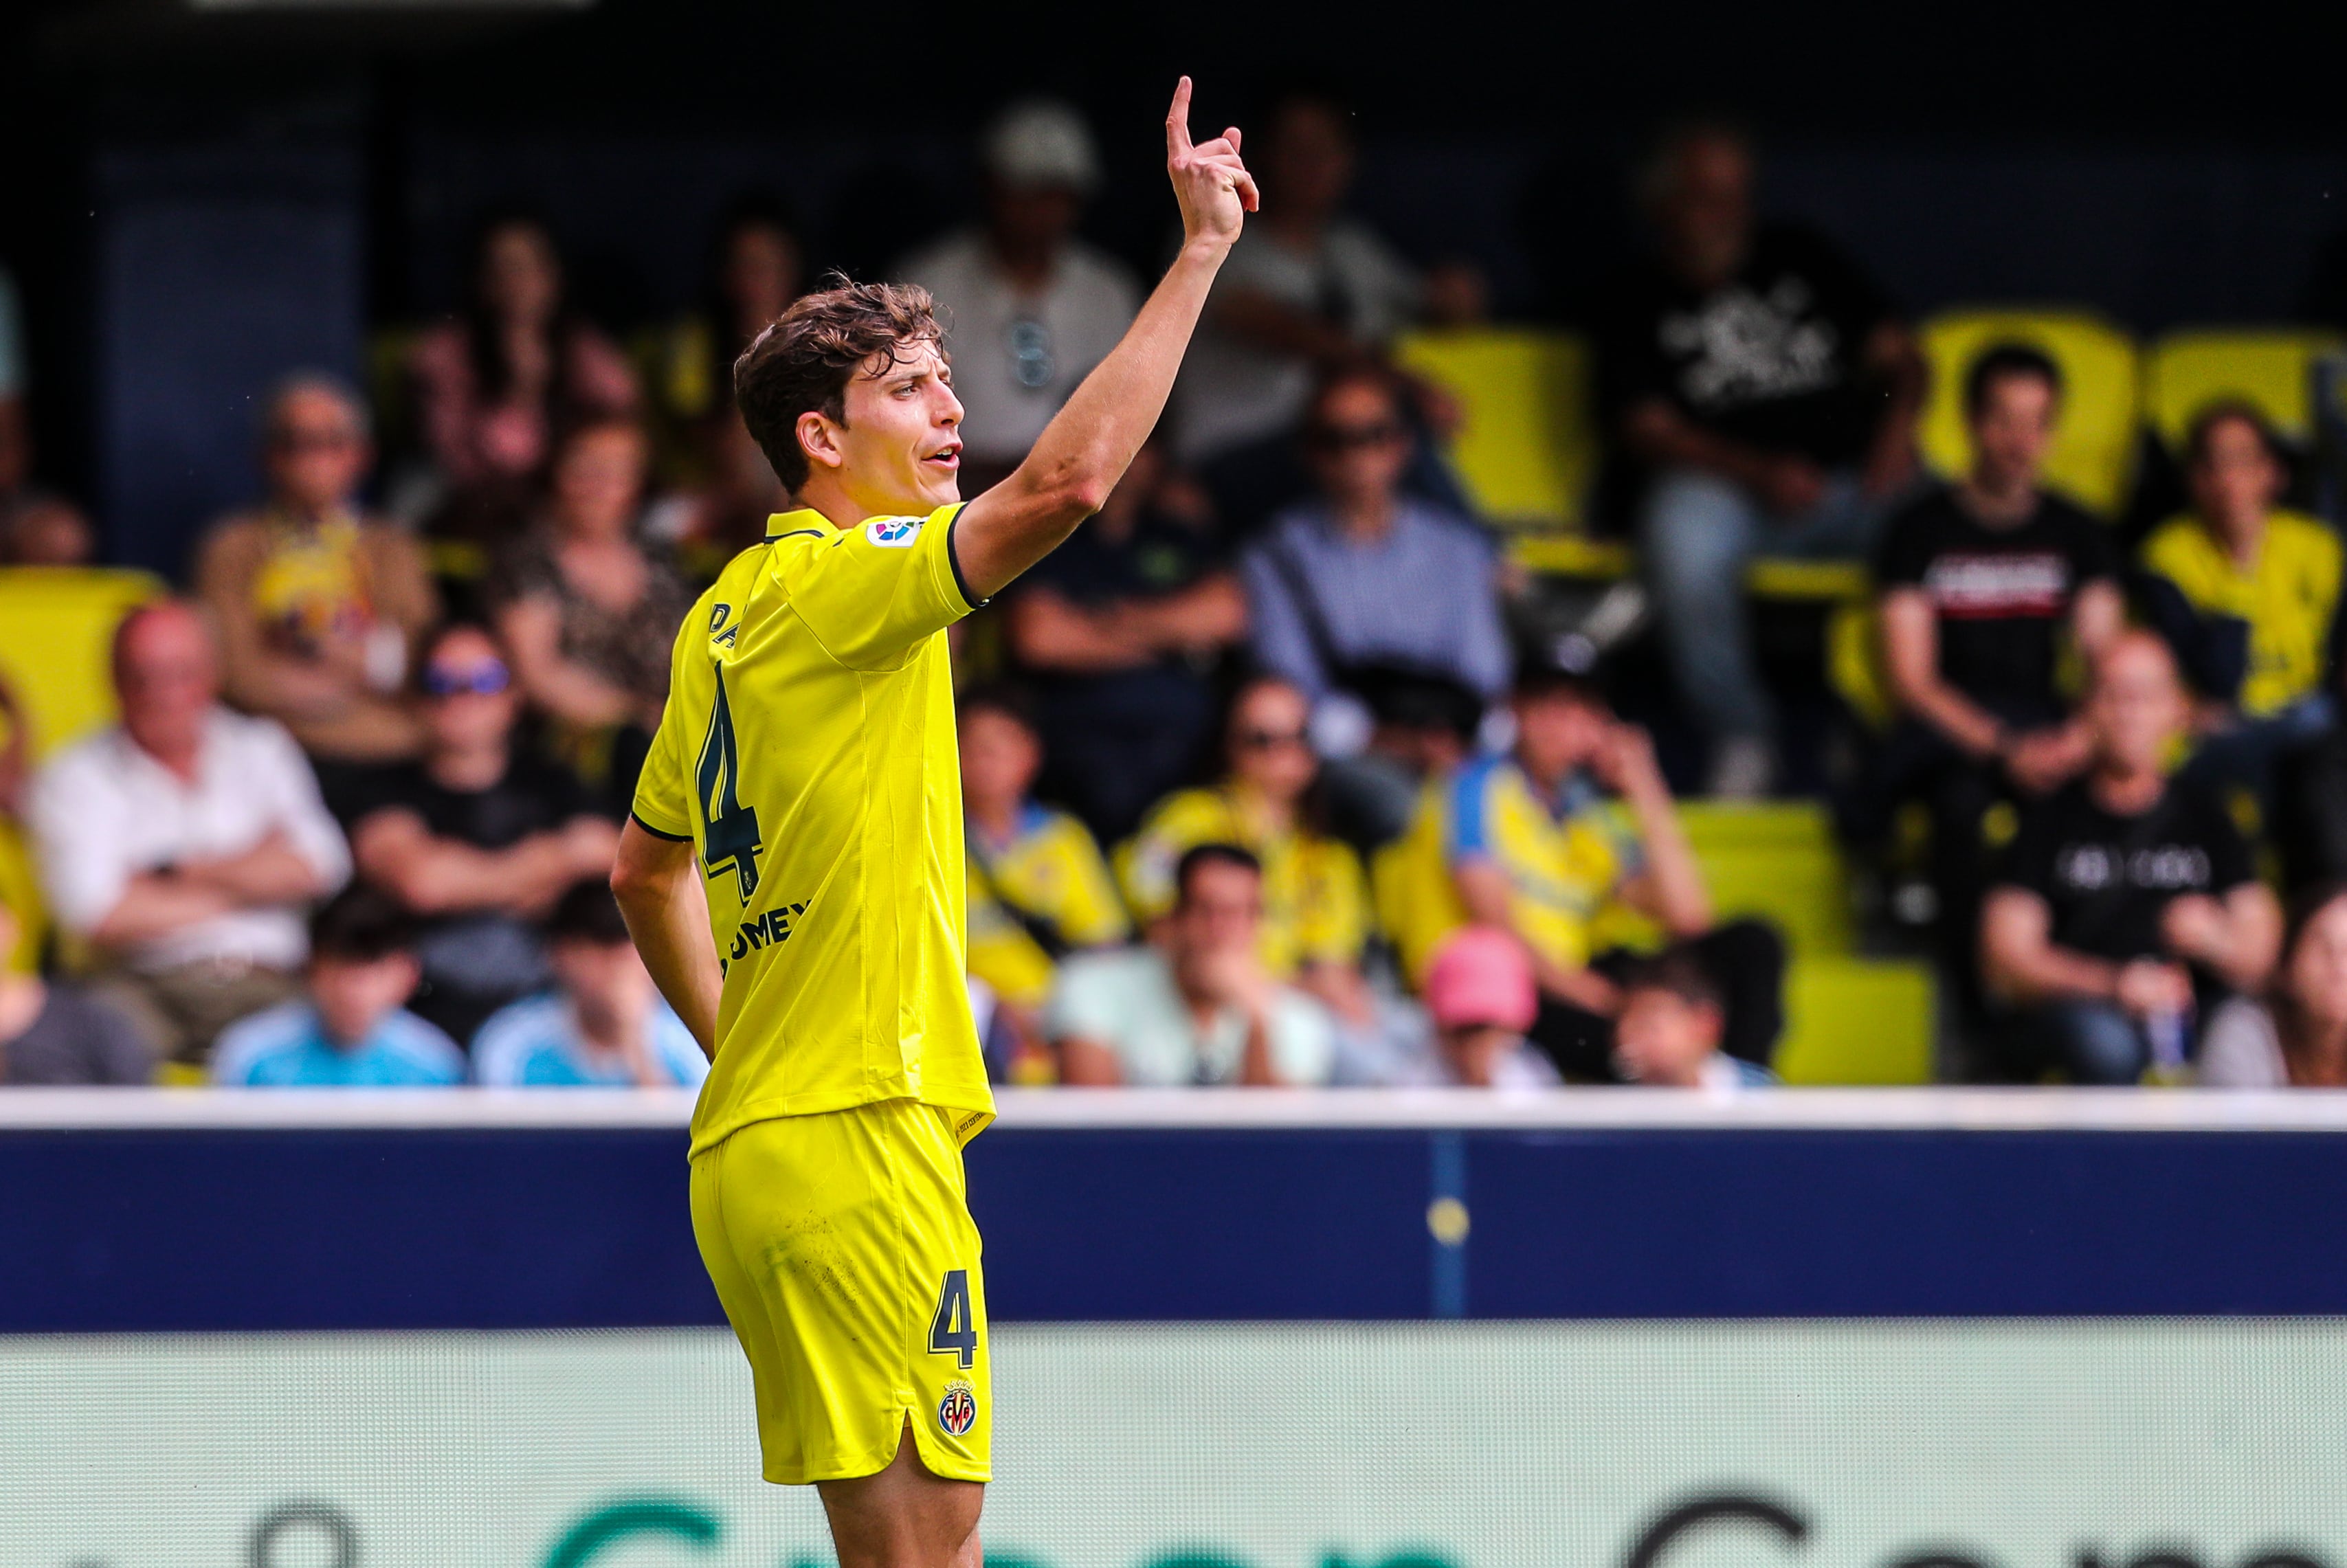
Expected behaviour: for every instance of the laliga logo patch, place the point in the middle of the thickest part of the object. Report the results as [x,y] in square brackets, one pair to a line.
[958,1411]
[893,533]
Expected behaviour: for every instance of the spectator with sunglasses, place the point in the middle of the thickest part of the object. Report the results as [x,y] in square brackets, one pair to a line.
[477,839]
[1315,896]
[318,605]
[1381,608]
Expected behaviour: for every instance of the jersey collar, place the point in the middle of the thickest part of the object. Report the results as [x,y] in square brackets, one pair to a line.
[803,520]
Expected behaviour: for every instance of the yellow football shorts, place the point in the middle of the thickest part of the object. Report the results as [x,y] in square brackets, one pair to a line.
[842,1247]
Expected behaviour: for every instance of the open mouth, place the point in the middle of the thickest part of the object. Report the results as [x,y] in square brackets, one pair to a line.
[946,457]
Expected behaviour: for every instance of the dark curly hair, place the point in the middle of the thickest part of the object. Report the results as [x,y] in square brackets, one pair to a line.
[803,362]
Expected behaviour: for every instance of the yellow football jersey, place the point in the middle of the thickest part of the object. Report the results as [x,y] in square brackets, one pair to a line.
[1052,871]
[1315,895]
[809,753]
[2287,595]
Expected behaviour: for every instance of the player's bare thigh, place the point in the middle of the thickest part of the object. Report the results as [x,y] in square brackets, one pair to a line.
[904,1517]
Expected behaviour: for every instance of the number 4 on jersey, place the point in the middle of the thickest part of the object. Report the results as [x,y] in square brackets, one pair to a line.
[953,1308]
[730,839]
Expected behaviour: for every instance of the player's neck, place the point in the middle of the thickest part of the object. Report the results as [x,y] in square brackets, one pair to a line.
[825,493]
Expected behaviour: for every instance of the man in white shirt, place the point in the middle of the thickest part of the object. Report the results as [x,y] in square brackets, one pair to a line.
[1030,307]
[182,844]
[1306,290]
[1192,1006]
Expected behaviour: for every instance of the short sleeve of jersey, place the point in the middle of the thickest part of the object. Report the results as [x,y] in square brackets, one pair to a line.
[871,592]
[663,805]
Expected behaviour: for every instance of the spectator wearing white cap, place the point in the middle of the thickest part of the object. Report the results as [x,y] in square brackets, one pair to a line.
[1030,307]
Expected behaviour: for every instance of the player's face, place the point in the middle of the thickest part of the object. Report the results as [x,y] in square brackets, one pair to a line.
[899,454]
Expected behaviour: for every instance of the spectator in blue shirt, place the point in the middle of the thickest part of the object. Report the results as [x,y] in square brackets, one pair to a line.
[602,1026]
[350,1031]
[1382,608]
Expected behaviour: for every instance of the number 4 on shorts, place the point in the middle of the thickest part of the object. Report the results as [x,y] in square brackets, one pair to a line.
[953,1308]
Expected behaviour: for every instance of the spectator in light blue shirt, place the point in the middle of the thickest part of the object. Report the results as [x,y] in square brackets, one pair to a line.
[602,1026]
[1381,608]
[349,1029]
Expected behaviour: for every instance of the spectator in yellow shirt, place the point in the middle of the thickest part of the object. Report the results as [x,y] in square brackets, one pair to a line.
[1039,888]
[1571,844]
[1315,896]
[2262,586]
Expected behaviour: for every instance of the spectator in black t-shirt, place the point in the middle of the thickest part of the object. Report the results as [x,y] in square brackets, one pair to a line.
[1767,396]
[477,839]
[2122,890]
[1980,582]
[1119,628]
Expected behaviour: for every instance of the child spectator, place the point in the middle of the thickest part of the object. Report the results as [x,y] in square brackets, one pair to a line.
[2118,889]
[1038,890]
[185,843]
[1668,1036]
[1480,995]
[494,385]
[1033,307]
[1382,610]
[602,1026]
[589,618]
[2296,1036]
[1119,628]
[2264,583]
[1572,844]
[1315,915]
[1767,394]
[476,840]
[1980,583]
[319,607]
[55,1034]
[351,1030]
[1195,1004]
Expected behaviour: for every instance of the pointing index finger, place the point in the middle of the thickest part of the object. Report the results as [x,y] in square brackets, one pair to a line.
[1177,120]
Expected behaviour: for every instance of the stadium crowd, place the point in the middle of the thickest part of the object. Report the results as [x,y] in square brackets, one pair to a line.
[1277,773]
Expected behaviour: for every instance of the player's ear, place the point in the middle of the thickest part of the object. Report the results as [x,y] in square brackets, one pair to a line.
[819,439]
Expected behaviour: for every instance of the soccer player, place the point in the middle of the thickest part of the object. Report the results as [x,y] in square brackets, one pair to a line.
[806,763]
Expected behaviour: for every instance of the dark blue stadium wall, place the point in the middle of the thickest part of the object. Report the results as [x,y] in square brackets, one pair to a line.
[208,1228]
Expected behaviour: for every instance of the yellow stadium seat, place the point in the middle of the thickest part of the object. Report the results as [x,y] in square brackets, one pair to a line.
[2270,367]
[20,890]
[56,624]
[1526,446]
[1777,860]
[1857,1021]
[2094,452]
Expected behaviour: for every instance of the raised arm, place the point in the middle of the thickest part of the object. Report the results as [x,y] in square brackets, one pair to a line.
[1085,449]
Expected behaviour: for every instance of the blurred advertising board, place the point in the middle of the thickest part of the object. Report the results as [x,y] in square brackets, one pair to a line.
[1951,1443]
